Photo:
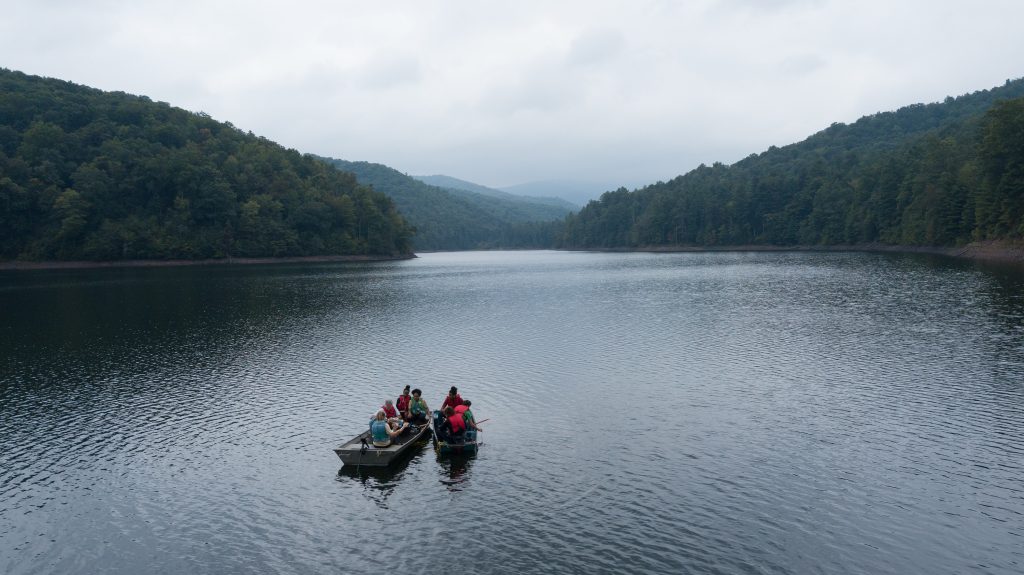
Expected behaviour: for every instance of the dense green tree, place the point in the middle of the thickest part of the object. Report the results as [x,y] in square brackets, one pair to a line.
[86,174]
[1000,210]
[925,175]
[447,219]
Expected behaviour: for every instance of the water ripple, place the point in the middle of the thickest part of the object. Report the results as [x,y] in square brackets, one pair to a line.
[674,413]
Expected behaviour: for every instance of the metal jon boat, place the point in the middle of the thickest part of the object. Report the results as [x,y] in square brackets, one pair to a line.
[360,449]
[466,446]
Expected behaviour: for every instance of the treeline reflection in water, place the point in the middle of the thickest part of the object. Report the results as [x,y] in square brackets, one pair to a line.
[705,413]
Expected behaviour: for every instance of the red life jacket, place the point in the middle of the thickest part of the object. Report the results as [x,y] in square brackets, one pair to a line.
[458,425]
[461,409]
[390,411]
[403,402]
[452,401]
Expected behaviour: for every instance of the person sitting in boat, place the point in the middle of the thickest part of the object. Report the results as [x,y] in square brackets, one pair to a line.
[467,415]
[439,420]
[453,399]
[382,432]
[391,414]
[389,411]
[454,427]
[403,403]
[418,410]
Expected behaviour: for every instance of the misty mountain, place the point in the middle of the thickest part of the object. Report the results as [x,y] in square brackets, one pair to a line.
[456,184]
[450,219]
[576,192]
[86,174]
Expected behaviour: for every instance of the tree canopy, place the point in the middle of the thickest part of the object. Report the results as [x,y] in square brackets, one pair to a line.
[87,174]
[941,174]
[447,219]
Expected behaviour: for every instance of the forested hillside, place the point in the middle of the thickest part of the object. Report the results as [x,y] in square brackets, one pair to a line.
[940,174]
[86,174]
[548,207]
[453,220]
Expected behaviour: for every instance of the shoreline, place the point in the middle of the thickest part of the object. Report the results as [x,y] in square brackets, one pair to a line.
[989,251]
[984,251]
[70,265]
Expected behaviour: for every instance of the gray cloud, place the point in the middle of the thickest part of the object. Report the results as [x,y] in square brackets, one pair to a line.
[595,47]
[543,88]
[390,72]
[802,64]
[768,5]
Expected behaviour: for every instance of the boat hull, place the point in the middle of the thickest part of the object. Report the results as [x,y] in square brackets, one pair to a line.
[467,446]
[360,450]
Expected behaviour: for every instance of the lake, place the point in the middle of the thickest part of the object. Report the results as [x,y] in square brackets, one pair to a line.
[649,413]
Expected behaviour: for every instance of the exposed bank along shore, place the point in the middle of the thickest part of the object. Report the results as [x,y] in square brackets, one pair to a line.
[53,265]
[1007,252]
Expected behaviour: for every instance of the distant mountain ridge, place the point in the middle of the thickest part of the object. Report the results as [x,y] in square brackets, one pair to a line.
[451,219]
[450,183]
[86,174]
[577,192]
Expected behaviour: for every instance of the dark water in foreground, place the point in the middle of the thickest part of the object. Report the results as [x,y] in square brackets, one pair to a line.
[701,413]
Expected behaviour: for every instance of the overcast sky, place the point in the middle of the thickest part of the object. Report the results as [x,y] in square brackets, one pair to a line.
[500,93]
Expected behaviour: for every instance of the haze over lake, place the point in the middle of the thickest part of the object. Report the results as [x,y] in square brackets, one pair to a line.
[674,413]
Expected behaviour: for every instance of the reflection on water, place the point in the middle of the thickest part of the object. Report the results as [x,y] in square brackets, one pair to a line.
[454,470]
[380,482]
[712,413]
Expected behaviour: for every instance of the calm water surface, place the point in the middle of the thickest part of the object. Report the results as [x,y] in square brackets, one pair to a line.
[672,413]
